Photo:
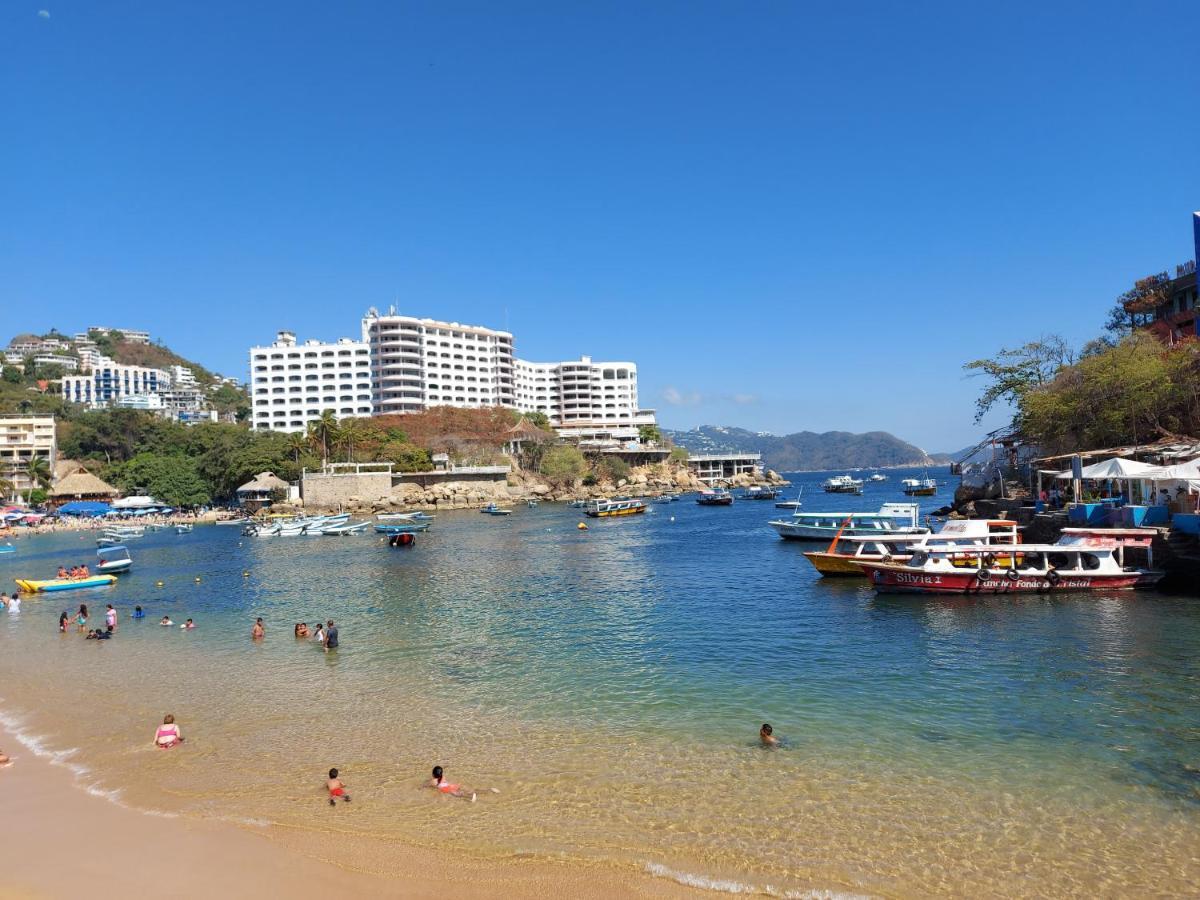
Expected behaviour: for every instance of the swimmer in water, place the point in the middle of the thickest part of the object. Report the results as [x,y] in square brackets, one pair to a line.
[167,735]
[257,632]
[139,613]
[165,620]
[188,624]
[336,788]
[766,734]
[439,783]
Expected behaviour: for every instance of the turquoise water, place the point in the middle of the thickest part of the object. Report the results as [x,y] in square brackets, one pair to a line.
[531,655]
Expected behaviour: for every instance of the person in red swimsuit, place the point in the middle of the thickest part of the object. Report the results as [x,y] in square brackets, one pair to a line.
[336,788]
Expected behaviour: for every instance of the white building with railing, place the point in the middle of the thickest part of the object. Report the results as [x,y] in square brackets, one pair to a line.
[292,384]
[584,399]
[110,381]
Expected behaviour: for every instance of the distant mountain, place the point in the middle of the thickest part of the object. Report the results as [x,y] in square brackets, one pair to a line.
[806,450]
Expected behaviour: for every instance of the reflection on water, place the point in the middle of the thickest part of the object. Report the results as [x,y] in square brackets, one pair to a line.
[611,683]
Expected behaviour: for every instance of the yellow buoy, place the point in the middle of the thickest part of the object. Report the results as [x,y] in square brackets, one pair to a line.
[245,574]
[158,584]
[197,579]
[582,527]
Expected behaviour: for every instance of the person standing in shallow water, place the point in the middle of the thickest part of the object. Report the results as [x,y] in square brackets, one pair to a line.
[257,632]
[766,734]
[331,636]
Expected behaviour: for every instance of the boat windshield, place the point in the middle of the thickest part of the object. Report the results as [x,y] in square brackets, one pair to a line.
[919,559]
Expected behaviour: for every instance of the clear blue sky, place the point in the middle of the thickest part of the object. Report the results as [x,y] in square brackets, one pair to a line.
[791,216]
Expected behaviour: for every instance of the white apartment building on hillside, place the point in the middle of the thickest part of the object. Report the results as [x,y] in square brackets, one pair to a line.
[21,439]
[292,384]
[419,363]
[584,399]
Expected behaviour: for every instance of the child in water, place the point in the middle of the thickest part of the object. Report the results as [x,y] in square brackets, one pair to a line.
[336,788]
[167,735]
[188,624]
[62,622]
[166,620]
[138,613]
[766,734]
[440,784]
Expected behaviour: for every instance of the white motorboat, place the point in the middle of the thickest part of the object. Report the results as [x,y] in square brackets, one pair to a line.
[892,519]
[183,529]
[346,528]
[842,484]
[113,560]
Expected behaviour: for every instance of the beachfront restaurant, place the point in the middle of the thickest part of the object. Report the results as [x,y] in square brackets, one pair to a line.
[81,486]
[1128,493]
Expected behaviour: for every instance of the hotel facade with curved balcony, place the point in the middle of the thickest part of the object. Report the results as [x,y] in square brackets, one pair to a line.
[404,364]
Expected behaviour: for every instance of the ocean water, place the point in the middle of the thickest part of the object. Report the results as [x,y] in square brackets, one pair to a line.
[610,684]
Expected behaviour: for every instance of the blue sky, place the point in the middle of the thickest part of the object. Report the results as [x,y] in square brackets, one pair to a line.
[791,216]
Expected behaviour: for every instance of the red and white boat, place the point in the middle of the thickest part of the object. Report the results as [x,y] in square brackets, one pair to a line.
[1015,568]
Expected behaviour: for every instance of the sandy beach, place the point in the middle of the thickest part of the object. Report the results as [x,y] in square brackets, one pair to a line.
[61,841]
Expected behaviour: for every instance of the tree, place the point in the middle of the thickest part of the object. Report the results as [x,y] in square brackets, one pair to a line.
[297,444]
[1132,392]
[322,431]
[1135,307]
[173,479]
[563,464]
[13,375]
[6,487]
[613,468]
[678,455]
[38,471]
[406,457]
[1013,373]
[349,433]
[649,434]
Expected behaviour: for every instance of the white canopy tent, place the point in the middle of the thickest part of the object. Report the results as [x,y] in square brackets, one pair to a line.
[1116,468]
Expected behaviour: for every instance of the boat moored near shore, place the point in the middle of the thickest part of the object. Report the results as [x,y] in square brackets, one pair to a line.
[892,519]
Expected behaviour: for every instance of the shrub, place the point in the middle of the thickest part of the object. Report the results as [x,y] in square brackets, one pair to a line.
[563,464]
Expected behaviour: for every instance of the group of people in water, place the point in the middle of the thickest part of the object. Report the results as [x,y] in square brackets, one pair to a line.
[75,572]
[111,623]
[326,635]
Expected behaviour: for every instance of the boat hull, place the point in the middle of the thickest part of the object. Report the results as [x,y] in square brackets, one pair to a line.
[114,568]
[835,565]
[613,513]
[892,579]
[63,584]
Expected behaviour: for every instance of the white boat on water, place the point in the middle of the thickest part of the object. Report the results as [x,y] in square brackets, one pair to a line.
[113,560]
[346,528]
[892,519]
[183,529]
[403,517]
[877,476]
[842,484]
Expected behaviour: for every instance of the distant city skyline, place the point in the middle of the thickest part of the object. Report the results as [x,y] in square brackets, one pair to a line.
[789,218]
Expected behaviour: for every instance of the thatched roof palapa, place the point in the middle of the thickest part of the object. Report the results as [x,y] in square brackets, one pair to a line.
[525,430]
[83,484]
[263,483]
[65,467]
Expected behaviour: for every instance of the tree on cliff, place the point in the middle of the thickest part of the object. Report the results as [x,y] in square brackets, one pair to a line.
[563,464]
[172,479]
[1011,374]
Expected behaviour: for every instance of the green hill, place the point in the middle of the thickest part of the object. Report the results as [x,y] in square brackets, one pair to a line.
[805,450]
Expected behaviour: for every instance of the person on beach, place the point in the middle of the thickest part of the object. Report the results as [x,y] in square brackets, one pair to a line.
[336,788]
[257,632]
[4,760]
[766,734]
[62,622]
[167,735]
[442,786]
[139,613]
[81,617]
[110,617]
[165,620]
[331,636]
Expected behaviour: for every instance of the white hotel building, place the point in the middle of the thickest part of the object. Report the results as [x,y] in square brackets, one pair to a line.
[109,382]
[292,384]
[405,364]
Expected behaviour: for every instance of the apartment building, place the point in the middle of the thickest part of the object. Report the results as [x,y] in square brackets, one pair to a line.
[419,363]
[131,335]
[108,382]
[21,439]
[292,384]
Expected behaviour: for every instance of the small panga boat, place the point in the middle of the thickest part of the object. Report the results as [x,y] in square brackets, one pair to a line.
[30,586]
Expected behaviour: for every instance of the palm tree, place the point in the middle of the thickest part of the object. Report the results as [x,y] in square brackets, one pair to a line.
[6,488]
[323,431]
[349,431]
[297,443]
[38,470]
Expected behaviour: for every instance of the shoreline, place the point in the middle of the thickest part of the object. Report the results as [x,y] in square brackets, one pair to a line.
[53,814]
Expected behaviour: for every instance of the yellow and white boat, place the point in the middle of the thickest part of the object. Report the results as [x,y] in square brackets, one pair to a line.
[846,553]
[603,509]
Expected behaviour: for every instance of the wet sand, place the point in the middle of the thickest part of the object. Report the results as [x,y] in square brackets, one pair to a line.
[60,841]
